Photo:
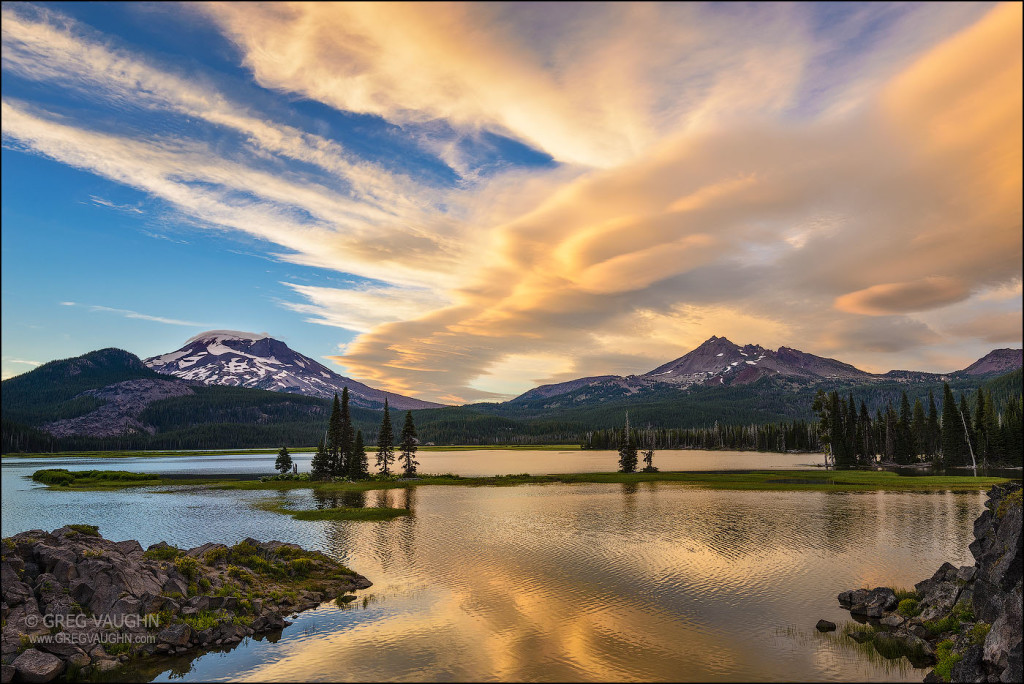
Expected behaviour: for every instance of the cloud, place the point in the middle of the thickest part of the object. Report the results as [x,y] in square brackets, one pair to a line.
[120,207]
[892,298]
[716,175]
[996,328]
[127,313]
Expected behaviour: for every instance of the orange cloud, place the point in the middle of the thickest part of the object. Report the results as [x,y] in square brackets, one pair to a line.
[897,298]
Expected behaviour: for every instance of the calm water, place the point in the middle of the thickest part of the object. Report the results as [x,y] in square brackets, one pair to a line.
[656,581]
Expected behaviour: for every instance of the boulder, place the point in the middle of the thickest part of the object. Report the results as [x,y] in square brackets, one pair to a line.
[892,622]
[175,635]
[36,666]
[970,668]
[825,626]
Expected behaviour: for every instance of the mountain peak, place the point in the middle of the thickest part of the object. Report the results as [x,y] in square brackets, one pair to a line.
[226,335]
[258,361]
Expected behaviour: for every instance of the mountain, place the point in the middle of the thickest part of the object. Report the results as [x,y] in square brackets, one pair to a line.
[996,362]
[258,361]
[718,362]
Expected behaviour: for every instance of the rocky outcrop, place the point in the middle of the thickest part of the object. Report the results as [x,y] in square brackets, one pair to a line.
[75,603]
[967,620]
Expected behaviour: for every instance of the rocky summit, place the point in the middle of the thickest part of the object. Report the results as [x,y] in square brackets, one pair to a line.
[966,621]
[258,361]
[75,604]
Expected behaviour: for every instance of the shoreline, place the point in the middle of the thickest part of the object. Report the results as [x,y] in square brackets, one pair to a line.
[765,480]
[76,604]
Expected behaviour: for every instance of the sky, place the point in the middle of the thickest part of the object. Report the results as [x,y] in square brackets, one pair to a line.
[461,202]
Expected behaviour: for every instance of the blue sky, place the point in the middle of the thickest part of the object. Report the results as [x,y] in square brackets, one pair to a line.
[459,202]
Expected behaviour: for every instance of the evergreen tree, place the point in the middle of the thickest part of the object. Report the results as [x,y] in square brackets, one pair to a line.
[919,429]
[408,443]
[904,440]
[358,467]
[891,419]
[822,407]
[345,435]
[954,451]
[385,442]
[867,446]
[333,445]
[627,451]
[284,461]
[932,430]
[320,467]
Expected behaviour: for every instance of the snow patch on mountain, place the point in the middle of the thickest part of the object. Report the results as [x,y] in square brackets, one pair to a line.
[258,361]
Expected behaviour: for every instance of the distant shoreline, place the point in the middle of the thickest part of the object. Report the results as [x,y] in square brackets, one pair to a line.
[783,480]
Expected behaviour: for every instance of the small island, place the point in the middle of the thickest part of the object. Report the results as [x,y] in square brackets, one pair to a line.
[75,604]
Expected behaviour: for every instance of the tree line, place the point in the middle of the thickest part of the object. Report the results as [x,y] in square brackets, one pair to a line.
[979,432]
[798,435]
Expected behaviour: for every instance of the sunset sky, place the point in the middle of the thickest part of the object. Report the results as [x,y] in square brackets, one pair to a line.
[460,202]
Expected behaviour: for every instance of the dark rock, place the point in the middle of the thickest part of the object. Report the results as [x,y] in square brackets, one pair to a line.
[175,635]
[6,674]
[825,626]
[892,621]
[36,666]
[887,645]
[861,637]
[969,669]
[966,573]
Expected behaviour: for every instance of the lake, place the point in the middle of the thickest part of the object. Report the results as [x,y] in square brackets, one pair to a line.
[553,582]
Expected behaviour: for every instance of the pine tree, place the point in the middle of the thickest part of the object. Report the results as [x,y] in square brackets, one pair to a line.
[918,428]
[408,443]
[822,407]
[334,439]
[627,451]
[284,461]
[358,467]
[954,451]
[345,435]
[904,440]
[867,448]
[933,431]
[320,468]
[385,442]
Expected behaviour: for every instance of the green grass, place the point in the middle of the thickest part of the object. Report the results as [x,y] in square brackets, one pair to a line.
[772,480]
[88,530]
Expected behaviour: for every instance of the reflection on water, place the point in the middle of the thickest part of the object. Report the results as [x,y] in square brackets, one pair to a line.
[644,581]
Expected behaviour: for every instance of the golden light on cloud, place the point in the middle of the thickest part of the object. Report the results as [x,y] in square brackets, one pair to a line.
[705,173]
[896,298]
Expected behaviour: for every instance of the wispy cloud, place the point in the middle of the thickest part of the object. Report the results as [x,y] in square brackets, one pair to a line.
[120,207]
[128,313]
[719,172]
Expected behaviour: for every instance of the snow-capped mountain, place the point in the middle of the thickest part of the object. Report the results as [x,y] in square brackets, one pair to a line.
[724,362]
[718,362]
[258,361]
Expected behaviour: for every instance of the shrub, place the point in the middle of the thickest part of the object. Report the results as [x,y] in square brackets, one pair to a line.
[945,659]
[187,566]
[90,530]
[204,584]
[239,574]
[978,633]
[213,556]
[908,608]
[162,553]
[202,620]
[300,567]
